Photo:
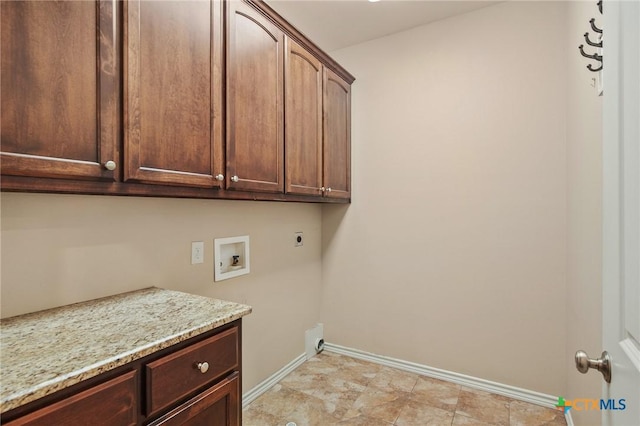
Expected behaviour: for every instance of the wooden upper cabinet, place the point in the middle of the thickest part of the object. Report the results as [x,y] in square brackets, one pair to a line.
[255,136]
[59,89]
[303,120]
[337,136]
[173,92]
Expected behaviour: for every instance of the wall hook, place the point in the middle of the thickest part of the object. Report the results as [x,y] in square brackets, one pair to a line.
[590,68]
[595,29]
[590,43]
[594,56]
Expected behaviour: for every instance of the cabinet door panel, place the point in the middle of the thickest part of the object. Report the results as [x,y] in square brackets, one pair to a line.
[110,403]
[173,92]
[303,119]
[337,136]
[217,406]
[59,77]
[254,101]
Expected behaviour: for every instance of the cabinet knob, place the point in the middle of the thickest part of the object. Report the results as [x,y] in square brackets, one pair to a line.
[220,177]
[203,367]
[328,189]
[110,165]
[235,178]
[322,189]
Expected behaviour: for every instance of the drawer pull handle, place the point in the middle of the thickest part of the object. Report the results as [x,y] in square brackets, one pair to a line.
[203,367]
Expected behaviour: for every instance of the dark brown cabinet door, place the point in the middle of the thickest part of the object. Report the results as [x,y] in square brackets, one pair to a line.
[254,101]
[173,92]
[110,403]
[303,120]
[60,89]
[337,136]
[217,406]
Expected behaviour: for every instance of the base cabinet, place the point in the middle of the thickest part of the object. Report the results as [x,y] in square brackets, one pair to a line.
[192,383]
[218,406]
[111,403]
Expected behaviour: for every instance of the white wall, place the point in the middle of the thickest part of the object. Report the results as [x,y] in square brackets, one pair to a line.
[60,249]
[453,252]
[584,248]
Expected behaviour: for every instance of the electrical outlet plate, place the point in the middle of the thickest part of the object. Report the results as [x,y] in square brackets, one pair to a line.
[299,239]
[197,252]
[232,257]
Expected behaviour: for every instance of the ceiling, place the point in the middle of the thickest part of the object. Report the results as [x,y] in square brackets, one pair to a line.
[334,24]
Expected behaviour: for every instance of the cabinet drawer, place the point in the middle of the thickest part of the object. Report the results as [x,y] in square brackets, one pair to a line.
[217,406]
[110,403]
[174,376]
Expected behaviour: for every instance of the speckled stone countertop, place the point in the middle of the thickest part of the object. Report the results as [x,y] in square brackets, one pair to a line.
[43,352]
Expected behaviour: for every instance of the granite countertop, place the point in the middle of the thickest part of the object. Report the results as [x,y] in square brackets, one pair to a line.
[43,352]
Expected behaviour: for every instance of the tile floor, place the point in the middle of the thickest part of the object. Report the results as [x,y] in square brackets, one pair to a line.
[332,389]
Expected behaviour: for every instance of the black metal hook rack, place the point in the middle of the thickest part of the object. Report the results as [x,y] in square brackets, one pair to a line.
[597,44]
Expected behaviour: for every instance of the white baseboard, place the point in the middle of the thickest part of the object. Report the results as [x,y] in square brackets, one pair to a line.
[270,381]
[525,395]
[569,420]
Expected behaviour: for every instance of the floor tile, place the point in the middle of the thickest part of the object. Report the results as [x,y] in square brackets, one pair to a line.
[391,380]
[279,401]
[331,389]
[378,404]
[305,379]
[483,406]
[341,393]
[414,414]
[253,417]
[436,393]
[357,371]
[313,412]
[460,420]
[362,420]
[524,414]
[319,365]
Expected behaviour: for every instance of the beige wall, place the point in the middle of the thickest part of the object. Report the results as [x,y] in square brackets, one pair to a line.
[59,249]
[584,248]
[472,244]
[453,252]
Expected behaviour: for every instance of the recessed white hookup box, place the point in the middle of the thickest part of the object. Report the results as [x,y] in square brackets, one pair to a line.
[231,257]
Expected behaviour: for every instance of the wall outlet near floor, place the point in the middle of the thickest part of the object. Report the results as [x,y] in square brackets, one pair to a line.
[314,340]
[197,252]
[298,239]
